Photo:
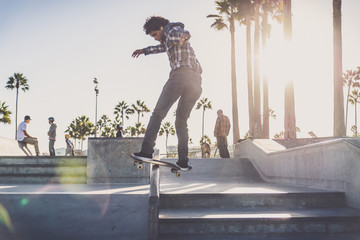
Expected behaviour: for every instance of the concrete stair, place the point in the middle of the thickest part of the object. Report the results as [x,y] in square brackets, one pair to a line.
[38,170]
[242,206]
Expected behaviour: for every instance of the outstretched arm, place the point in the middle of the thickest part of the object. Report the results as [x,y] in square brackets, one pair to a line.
[137,53]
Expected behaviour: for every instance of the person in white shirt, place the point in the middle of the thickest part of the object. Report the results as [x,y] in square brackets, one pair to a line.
[23,136]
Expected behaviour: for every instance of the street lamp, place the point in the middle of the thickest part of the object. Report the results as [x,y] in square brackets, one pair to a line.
[97,93]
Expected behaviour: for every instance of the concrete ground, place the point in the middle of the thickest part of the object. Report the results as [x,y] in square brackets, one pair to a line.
[76,211]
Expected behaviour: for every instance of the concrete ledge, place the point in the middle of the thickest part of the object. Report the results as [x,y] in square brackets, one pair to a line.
[10,147]
[106,164]
[333,164]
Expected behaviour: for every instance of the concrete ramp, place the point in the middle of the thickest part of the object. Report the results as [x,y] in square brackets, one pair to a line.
[10,147]
[229,170]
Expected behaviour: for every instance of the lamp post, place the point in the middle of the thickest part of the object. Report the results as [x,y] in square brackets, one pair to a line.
[97,93]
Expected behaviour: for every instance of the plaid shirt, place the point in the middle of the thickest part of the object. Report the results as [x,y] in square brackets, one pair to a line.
[180,55]
[222,126]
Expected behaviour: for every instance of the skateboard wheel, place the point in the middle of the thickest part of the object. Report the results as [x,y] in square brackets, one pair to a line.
[173,170]
[139,166]
[178,174]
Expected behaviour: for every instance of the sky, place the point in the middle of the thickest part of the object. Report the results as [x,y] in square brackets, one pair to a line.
[61,45]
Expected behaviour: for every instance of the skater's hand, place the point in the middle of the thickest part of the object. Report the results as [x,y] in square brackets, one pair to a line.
[137,53]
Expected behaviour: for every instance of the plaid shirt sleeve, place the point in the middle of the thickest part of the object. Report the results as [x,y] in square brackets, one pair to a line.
[177,36]
[155,49]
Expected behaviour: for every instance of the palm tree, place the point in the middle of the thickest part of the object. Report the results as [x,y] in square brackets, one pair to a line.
[105,127]
[339,125]
[354,99]
[15,82]
[80,128]
[351,80]
[227,10]
[204,104]
[123,111]
[140,108]
[167,129]
[5,113]
[257,98]
[248,8]
[272,8]
[289,121]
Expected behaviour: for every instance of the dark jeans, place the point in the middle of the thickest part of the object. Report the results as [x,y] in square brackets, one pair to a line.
[222,145]
[183,84]
[51,147]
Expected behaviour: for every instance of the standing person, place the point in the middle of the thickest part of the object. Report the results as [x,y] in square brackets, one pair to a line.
[52,136]
[119,131]
[222,128]
[23,136]
[184,83]
[69,146]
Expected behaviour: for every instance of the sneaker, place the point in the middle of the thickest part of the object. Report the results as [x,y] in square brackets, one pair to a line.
[142,156]
[183,166]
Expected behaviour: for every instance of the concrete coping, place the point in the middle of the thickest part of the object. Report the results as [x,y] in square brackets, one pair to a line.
[270,147]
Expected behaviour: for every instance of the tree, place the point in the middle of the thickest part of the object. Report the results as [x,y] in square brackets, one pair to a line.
[289,121]
[257,98]
[122,110]
[80,128]
[4,113]
[339,124]
[18,81]
[248,8]
[350,80]
[354,99]
[167,128]
[140,108]
[227,10]
[106,127]
[272,8]
[205,139]
[204,104]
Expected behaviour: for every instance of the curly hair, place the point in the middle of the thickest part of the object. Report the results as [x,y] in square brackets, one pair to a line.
[154,23]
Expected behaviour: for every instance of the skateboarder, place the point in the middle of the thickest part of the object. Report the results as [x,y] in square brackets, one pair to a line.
[184,83]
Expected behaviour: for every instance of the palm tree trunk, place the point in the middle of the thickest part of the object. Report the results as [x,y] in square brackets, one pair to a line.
[166,143]
[347,108]
[339,125]
[249,75]
[236,135]
[356,129]
[203,117]
[257,98]
[264,35]
[289,121]
[16,112]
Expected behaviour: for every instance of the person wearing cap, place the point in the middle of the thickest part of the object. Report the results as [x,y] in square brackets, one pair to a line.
[23,135]
[52,136]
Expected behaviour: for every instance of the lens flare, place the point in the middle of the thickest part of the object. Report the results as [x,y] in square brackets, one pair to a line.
[5,218]
[24,202]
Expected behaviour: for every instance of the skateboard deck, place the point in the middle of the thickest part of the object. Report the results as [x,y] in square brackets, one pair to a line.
[138,163]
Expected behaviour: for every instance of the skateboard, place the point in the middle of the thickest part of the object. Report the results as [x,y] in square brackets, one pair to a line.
[138,163]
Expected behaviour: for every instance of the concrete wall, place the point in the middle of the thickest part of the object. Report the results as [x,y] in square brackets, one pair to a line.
[333,164]
[106,164]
